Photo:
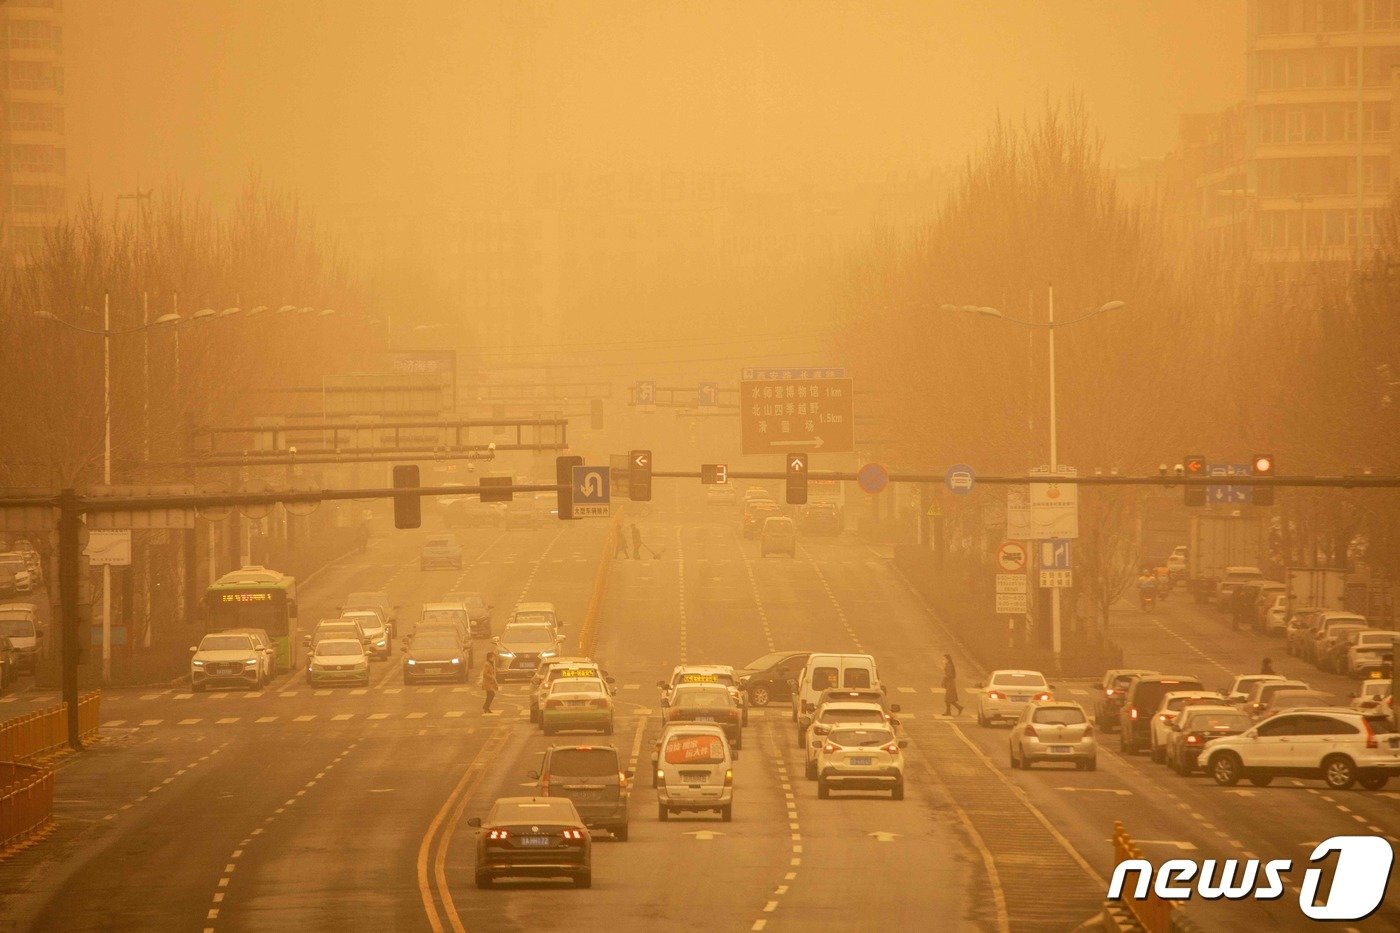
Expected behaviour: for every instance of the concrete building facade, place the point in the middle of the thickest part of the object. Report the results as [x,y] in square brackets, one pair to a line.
[32,154]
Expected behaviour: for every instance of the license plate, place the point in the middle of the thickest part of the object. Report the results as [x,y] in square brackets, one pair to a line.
[861,761]
[1060,749]
[578,702]
[535,840]
[704,719]
[1019,699]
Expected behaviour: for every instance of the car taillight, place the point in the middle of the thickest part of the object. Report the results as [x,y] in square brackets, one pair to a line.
[728,777]
[1031,733]
[1370,734]
[892,748]
[572,834]
[1132,712]
[600,702]
[660,778]
[1110,692]
[553,704]
[995,695]
[829,748]
[1193,740]
[1042,696]
[622,780]
[1164,717]
[733,714]
[544,784]
[498,834]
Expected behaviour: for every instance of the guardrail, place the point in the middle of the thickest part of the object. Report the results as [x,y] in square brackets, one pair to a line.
[1154,913]
[26,803]
[588,633]
[40,733]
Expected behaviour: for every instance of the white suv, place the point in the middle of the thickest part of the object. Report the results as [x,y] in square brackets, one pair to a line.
[1341,746]
[861,756]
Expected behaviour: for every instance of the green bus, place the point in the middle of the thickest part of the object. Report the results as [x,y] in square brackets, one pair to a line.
[255,597]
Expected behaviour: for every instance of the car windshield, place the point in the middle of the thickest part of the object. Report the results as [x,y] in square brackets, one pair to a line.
[337,631]
[11,565]
[435,641]
[17,627]
[1026,679]
[851,715]
[534,618]
[1060,716]
[473,601]
[576,686]
[777,524]
[583,762]
[441,616]
[226,643]
[440,542]
[705,699]
[860,738]
[528,634]
[558,810]
[366,619]
[1375,688]
[1214,721]
[338,648]
[1376,638]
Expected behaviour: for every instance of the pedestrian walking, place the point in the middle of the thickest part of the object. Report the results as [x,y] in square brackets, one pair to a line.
[950,687]
[1267,667]
[488,680]
[621,546]
[636,541]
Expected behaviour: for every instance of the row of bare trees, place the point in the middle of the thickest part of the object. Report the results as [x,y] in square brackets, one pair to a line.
[1213,352]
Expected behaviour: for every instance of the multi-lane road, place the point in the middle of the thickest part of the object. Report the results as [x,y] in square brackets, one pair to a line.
[302,809]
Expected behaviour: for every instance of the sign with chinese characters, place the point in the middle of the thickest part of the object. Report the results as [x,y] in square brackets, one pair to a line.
[592,492]
[1056,579]
[1054,506]
[1011,583]
[793,372]
[109,548]
[780,416]
[1013,603]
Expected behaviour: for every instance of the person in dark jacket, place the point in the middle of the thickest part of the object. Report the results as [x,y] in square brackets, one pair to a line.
[1267,667]
[488,680]
[950,687]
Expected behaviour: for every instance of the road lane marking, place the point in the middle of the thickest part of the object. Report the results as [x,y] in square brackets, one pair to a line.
[266,719]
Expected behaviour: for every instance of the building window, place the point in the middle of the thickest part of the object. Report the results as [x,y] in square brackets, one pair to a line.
[32,76]
[27,158]
[35,198]
[32,34]
[42,118]
[1383,14]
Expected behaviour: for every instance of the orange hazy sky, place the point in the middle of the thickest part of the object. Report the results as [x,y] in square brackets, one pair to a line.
[373,101]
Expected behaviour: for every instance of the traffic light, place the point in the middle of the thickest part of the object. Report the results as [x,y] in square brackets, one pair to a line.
[595,414]
[564,479]
[639,476]
[1263,466]
[797,479]
[1194,465]
[408,510]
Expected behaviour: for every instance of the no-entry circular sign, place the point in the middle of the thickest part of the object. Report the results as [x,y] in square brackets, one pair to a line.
[1011,557]
[873,478]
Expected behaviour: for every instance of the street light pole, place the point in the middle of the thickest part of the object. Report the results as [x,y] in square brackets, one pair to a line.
[106,479]
[1055,630]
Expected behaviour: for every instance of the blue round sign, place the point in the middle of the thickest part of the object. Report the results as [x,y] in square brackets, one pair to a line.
[960,479]
[873,478]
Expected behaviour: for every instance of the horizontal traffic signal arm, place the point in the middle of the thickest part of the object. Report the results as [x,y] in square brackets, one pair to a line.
[211,500]
[1359,481]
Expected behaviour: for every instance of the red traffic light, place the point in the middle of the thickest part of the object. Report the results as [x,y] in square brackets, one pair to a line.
[1263,464]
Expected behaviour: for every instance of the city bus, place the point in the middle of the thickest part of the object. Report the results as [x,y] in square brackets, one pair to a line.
[255,597]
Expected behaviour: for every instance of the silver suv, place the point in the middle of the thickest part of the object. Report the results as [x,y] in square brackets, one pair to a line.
[1341,746]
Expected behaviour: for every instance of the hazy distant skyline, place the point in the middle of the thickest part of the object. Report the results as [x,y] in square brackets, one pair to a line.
[374,101]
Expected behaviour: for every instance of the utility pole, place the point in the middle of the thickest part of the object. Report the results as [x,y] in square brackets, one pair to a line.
[106,480]
[69,564]
[1054,471]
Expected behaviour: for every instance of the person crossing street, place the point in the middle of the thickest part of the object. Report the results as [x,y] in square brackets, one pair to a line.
[950,687]
[488,681]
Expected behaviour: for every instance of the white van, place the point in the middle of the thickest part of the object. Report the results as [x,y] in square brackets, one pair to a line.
[830,671]
[694,770]
[20,623]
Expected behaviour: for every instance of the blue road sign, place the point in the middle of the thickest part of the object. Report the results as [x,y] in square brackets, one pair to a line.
[708,395]
[592,491]
[960,479]
[1055,555]
[1225,493]
[873,478]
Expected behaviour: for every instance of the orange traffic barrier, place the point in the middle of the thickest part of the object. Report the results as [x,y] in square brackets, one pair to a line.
[26,802]
[41,733]
[588,632]
[1154,913]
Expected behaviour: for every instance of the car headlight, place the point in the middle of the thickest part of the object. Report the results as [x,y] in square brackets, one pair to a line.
[548,654]
[506,654]
[251,662]
[197,663]
[311,666]
[456,660]
[410,662]
[380,644]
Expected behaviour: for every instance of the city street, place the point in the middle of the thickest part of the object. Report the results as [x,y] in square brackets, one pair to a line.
[296,808]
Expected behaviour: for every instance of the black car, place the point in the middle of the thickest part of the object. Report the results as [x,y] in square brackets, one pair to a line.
[769,679]
[1191,730]
[1140,702]
[821,519]
[594,778]
[533,837]
[478,611]
[436,654]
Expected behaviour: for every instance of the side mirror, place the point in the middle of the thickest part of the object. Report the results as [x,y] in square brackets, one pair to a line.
[665,702]
[661,684]
[816,744]
[610,680]
[474,822]
[903,743]
[804,721]
[193,649]
[894,707]
[532,775]
[894,722]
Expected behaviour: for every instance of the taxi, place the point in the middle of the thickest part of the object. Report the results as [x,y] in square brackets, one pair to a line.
[707,674]
[574,703]
[550,671]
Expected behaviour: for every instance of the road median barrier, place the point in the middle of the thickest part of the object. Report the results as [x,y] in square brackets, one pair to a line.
[588,632]
[1155,914]
[45,732]
[26,805]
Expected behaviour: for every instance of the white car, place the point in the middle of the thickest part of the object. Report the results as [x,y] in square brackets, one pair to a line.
[864,756]
[226,659]
[376,628]
[1006,693]
[1244,684]
[1276,617]
[1176,563]
[1372,695]
[832,715]
[15,575]
[1162,718]
[1054,731]
[1341,746]
[1368,653]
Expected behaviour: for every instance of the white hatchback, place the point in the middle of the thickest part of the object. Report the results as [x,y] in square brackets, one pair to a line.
[1171,706]
[1006,694]
[861,756]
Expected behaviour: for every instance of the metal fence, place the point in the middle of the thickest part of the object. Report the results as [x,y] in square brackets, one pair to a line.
[26,802]
[36,734]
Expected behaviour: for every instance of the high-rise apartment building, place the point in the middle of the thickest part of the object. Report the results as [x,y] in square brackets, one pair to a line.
[32,155]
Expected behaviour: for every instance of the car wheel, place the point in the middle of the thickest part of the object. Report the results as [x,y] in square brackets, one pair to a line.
[608,729]
[1339,772]
[1372,781]
[483,880]
[1225,768]
[662,812]
[981,719]
[1158,754]
[584,880]
[620,833]
[534,714]
[1261,780]
[547,729]
[898,792]
[801,737]
[811,770]
[1091,765]
[1011,757]
[823,789]
[758,696]
[199,688]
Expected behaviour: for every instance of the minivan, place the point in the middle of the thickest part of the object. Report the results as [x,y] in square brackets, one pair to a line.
[1141,701]
[19,622]
[830,671]
[693,770]
[592,777]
